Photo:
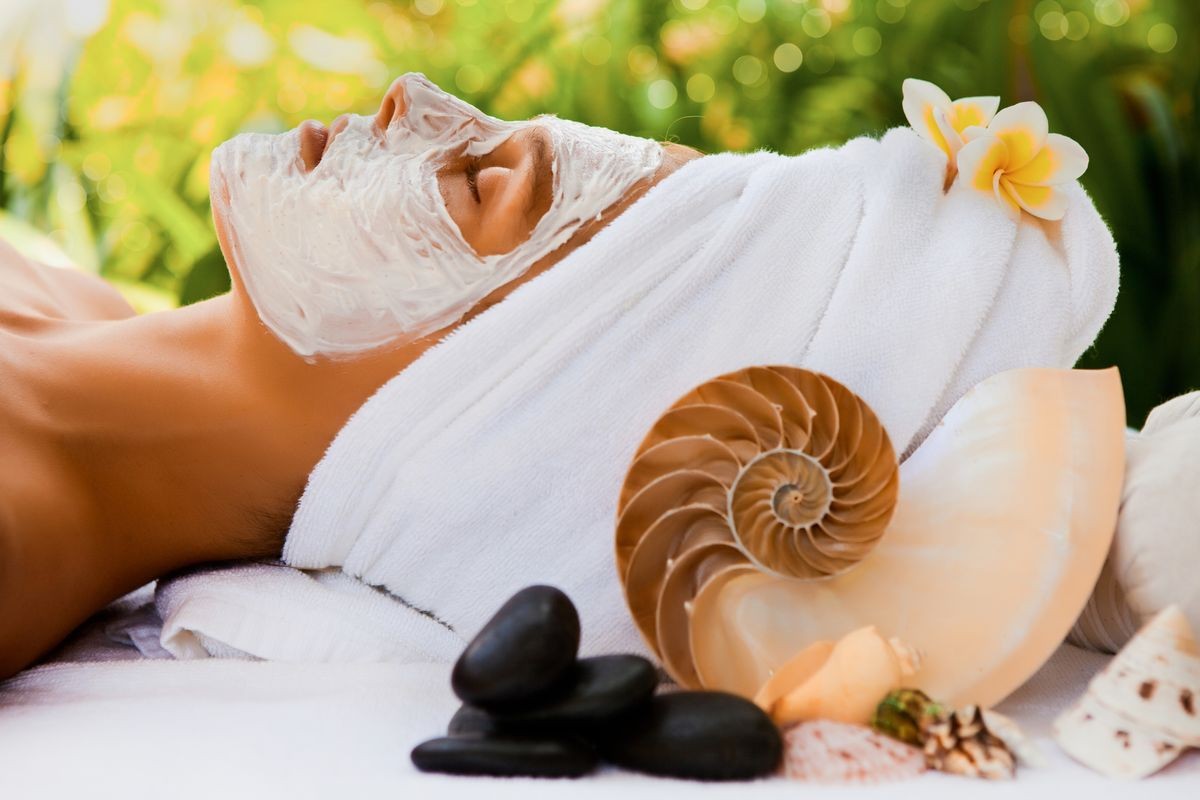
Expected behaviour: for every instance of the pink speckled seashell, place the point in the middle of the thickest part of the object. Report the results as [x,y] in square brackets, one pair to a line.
[824,751]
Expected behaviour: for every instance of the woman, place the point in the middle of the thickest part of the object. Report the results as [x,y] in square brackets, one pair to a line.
[140,445]
[135,446]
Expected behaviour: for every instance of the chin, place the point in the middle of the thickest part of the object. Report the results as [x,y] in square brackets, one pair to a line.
[218,195]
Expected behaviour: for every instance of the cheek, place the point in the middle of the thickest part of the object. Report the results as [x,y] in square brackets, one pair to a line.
[503,222]
[492,183]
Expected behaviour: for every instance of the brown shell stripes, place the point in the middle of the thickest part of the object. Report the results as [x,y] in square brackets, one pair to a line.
[774,469]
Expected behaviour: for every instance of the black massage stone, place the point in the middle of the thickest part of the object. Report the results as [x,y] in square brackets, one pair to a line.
[599,690]
[471,721]
[700,735]
[524,653]
[508,756]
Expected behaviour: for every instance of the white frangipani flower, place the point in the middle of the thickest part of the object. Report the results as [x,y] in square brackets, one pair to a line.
[1021,162]
[934,116]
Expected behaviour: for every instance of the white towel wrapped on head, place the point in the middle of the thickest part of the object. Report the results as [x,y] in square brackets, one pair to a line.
[495,460]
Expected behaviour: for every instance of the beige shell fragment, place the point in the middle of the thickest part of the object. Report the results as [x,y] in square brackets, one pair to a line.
[765,512]
[1009,732]
[842,681]
[1143,709]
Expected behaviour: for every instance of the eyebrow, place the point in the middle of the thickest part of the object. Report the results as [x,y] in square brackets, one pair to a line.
[543,163]
[541,152]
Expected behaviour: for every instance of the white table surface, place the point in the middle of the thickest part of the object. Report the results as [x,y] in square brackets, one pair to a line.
[113,728]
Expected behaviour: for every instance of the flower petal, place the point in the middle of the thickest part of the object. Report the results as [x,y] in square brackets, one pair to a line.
[982,158]
[974,132]
[968,111]
[1044,202]
[1007,201]
[1023,128]
[953,139]
[1061,160]
[920,98]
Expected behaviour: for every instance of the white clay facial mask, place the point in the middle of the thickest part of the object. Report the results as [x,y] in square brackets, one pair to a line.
[361,251]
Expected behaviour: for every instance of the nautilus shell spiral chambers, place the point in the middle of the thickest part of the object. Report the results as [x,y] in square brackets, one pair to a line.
[770,469]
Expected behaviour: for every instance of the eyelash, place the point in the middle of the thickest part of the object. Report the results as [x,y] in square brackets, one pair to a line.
[472,172]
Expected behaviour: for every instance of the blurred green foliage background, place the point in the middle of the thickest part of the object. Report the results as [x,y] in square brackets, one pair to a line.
[109,109]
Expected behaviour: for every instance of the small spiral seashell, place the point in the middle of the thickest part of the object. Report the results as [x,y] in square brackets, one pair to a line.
[771,469]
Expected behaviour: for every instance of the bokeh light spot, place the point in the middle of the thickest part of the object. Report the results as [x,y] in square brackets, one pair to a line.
[428,7]
[97,165]
[693,5]
[748,70]
[1111,12]
[596,50]
[866,41]
[788,57]
[751,10]
[889,11]
[84,17]
[1046,7]
[701,88]
[110,112]
[113,189]
[662,93]
[816,22]
[642,60]
[248,44]
[1162,38]
[469,78]
[1078,25]
[1053,25]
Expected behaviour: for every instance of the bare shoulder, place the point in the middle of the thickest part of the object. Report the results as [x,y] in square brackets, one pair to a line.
[29,288]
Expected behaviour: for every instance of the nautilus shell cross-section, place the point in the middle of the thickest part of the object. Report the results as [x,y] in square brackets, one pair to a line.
[766,511]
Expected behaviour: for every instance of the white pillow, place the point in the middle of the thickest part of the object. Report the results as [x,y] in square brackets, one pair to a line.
[1155,557]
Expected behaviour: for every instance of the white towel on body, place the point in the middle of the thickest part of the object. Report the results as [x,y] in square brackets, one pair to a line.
[494,461]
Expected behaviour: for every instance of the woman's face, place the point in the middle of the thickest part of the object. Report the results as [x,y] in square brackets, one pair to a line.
[382,229]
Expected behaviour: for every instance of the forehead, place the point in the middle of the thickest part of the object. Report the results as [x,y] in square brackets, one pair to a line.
[427,102]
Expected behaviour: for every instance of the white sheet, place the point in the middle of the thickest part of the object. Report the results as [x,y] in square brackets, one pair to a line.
[98,728]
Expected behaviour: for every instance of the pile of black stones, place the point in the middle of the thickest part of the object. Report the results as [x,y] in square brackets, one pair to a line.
[532,707]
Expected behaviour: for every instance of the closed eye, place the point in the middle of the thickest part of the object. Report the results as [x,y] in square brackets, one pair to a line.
[497,198]
[472,173]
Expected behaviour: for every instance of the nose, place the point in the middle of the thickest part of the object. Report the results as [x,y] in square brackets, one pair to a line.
[393,105]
